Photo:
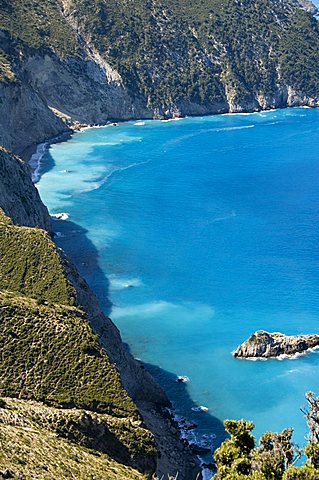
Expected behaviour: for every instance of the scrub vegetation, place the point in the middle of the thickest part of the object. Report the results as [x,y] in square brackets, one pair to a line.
[175,51]
[276,455]
[50,354]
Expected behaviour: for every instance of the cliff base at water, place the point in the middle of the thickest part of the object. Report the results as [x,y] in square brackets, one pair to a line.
[76,395]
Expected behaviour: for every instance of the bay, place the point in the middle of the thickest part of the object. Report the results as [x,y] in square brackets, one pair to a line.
[195,233]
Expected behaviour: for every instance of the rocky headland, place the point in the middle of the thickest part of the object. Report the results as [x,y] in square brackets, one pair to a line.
[262,345]
[70,63]
[65,64]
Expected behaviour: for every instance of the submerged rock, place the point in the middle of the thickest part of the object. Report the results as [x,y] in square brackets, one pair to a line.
[263,344]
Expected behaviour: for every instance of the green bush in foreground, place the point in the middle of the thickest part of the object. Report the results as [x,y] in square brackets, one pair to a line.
[275,456]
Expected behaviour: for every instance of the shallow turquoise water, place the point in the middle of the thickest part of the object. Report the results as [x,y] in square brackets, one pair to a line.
[215,222]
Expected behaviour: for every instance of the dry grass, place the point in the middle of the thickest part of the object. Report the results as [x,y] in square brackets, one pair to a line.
[31,450]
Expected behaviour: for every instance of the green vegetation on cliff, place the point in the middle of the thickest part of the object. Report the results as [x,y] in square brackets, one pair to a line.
[33,445]
[31,265]
[50,354]
[37,24]
[215,54]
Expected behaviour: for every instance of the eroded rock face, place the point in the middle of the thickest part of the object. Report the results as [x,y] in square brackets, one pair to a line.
[19,198]
[263,344]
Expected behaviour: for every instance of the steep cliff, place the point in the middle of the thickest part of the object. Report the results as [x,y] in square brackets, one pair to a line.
[18,197]
[73,61]
[57,347]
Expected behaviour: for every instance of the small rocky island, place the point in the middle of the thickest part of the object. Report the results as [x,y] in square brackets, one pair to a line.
[263,344]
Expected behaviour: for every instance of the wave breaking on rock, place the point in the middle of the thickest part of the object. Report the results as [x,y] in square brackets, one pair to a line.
[263,345]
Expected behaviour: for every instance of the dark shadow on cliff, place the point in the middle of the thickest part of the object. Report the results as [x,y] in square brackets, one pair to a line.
[72,238]
[209,432]
[49,162]
[83,253]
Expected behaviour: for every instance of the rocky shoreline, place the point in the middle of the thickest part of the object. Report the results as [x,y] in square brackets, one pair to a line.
[177,455]
[263,345]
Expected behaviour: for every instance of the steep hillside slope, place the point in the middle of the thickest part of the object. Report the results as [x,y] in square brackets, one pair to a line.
[70,61]
[39,442]
[50,353]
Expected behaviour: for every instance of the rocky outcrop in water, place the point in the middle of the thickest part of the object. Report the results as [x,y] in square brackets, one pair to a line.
[263,344]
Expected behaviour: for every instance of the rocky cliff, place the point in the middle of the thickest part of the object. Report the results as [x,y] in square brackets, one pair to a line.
[49,350]
[18,197]
[262,344]
[71,62]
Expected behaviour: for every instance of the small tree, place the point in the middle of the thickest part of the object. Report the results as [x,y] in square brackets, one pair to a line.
[233,456]
[238,457]
[311,413]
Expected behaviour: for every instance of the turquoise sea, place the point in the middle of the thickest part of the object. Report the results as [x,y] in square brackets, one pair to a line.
[194,234]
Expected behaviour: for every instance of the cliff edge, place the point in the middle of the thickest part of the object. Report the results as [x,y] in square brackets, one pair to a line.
[58,348]
[72,63]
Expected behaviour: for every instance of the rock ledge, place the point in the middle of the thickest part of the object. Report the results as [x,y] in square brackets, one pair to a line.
[263,344]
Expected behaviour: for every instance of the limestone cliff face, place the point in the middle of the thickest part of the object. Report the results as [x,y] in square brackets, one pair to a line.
[268,345]
[69,63]
[18,197]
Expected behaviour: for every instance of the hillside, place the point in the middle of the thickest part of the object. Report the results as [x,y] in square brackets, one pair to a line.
[35,444]
[58,349]
[49,352]
[65,62]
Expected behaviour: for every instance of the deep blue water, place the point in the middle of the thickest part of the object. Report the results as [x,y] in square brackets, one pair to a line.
[215,222]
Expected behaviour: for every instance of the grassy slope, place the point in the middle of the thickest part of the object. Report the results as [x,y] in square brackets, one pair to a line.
[30,264]
[32,448]
[49,353]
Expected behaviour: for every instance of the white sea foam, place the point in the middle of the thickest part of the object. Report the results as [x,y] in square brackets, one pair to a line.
[118,283]
[91,127]
[195,438]
[200,408]
[139,123]
[242,113]
[35,161]
[184,312]
[182,379]
[60,216]
[222,218]
[175,119]
[207,130]
[284,356]
[229,129]
[94,184]
[97,185]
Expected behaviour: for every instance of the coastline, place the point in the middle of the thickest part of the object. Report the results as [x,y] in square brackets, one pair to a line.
[75,127]
[162,422]
[102,126]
